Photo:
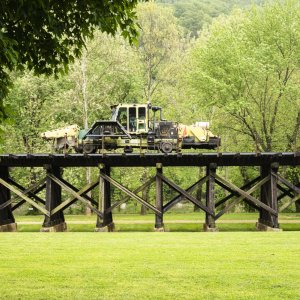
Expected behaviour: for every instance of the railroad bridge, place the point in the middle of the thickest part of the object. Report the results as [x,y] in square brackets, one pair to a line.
[272,186]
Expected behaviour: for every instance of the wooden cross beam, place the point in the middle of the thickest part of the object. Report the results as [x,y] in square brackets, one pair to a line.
[82,192]
[30,191]
[233,193]
[285,192]
[129,193]
[75,194]
[245,194]
[180,197]
[185,194]
[24,197]
[127,198]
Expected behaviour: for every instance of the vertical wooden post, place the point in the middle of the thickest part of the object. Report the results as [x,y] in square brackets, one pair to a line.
[210,224]
[56,222]
[107,223]
[159,223]
[268,195]
[7,220]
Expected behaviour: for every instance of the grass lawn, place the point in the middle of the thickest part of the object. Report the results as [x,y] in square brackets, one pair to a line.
[184,222]
[171,265]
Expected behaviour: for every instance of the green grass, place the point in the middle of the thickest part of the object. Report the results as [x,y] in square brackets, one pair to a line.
[235,265]
[138,223]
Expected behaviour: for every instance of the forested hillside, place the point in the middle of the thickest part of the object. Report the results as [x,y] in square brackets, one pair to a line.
[232,63]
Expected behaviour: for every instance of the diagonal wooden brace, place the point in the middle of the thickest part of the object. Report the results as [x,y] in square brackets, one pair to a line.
[23,196]
[130,193]
[69,201]
[180,197]
[127,198]
[293,200]
[185,194]
[76,195]
[245,194]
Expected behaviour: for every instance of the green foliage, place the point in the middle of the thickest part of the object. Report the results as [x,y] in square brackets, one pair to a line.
[47,35]
[247,65]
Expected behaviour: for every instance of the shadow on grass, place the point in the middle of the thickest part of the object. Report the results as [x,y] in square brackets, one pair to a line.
[187,227]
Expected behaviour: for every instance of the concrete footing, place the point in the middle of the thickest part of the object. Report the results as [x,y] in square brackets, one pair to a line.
[206,228]
[159,229]
[11,227]
[108,228]
[62,227]
[263,227]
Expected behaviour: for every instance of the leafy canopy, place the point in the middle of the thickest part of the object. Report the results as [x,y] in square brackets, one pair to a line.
[46,35]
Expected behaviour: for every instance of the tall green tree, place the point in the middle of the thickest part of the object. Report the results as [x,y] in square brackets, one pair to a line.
[248,66]
[46,35]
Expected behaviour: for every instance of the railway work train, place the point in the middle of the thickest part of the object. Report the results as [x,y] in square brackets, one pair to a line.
[134,126]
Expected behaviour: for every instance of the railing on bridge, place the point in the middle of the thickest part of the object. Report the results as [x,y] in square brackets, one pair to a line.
[271,185]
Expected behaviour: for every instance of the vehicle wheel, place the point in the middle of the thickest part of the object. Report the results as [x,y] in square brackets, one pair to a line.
[166,147]
[128,149]
[89,148]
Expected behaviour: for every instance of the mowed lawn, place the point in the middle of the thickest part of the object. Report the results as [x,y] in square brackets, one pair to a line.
[148,265]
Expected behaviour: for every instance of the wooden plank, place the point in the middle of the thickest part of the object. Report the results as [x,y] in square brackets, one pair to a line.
[76,195]
[26,198]
[237,200]
[130,193]
[180,197]
[185,194]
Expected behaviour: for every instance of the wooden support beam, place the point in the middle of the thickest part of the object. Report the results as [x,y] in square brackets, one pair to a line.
[107,223]
[53,222]
[268,196]
[75,194]
[87,197]
[23,196]
[233,194]
[136,191]
[288,204]
[180,197]
[30,191]
[82,192]
[129,193]
[210,224]
[247,195]
[285,192]
[185,194]
[34,192]
[229,206]
[286,182]
[159,221]
[7,220]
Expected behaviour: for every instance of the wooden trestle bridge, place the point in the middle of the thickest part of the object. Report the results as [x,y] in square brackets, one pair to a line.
[272,186]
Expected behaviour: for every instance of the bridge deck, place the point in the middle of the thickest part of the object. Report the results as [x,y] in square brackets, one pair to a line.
[151,159]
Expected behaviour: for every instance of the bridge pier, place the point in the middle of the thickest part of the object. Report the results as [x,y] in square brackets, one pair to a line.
[7,220]
[268,195]
[106,224]
[210,224]
[55,222]
[159,222]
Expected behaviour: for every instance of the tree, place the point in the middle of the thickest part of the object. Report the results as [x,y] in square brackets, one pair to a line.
[46,35]
[247,65]
[159,45]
